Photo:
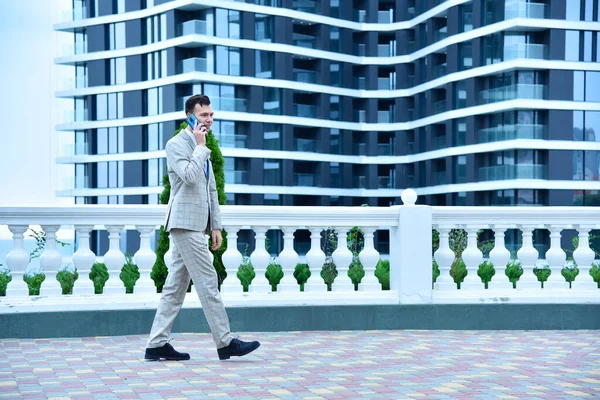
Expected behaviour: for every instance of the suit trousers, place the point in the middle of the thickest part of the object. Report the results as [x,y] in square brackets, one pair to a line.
[191,260]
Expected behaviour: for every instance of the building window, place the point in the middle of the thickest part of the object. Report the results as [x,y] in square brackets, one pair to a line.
[263,28]
[272,136]
[335,40]
[334,72]
[465,57]
[156,28]
[272,172]
[264,64]
[272,101]
[116,36]
[154,102]
[227,23]
[334,108]
[272,199]
[118,70]
[228,61]
[586,165]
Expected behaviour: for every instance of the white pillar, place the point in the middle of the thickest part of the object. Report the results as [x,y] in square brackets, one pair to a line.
[584,256]
[145,259]
[315,258]
[50,261]
[528,256]
[17,261]
[500,257]
[260,258]
[342,257]
[83,260]
[114,259]
[444,257]
[556,257]
[472,258]
[288,259]
[369,257]
[232,259]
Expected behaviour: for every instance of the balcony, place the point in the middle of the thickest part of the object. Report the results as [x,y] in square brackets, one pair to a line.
[223,104]
[306,145]
[385,50]
[309,180]
[360,49]
[385,117]
[308,6]
[195,64]
[506,172]
[359,182]
[230,140]
[236,177]
[385,149]
[512,92]
[385,182]
[523,9]
[525,50]
[439,106]
[386,84]
[77,82]
[305,111]
[194,27]
[360,82]
[305,76]
[511,132]
[385,17]
[72,49]
[70,116]
[439,70]
[301,40]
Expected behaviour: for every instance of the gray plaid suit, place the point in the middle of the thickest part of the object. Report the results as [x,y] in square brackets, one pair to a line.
[193,211]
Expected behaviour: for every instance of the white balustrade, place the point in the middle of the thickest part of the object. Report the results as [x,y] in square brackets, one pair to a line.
[260,259]
[288,259]
[232,259]
[342,257]
[50,261]
[584,256]
[83,260]
[410,260]
[500,256]
[472,258]
[17,261]
[528,256]
[315,258]
[369,257]
[168,257]
[444,257]
[145,258]
[556,257]
[114,259]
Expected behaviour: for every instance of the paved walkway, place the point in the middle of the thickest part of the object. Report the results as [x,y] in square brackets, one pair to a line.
[313,365]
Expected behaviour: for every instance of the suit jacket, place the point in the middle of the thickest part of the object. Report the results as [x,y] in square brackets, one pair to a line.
[193,203]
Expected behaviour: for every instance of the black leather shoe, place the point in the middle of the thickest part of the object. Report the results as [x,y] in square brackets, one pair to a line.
[237,348]
[166,352]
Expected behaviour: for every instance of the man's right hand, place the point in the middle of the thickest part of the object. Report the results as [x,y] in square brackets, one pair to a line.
[200,134]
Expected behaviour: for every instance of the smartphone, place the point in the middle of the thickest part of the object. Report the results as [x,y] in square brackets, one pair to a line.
[191,120]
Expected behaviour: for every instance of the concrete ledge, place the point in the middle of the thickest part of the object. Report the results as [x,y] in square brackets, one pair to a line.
[307,318]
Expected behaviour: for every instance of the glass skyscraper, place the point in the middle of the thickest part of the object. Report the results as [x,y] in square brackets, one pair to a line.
[342,102]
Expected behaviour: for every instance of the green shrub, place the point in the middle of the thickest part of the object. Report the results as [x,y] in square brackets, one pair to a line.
[329,273]
[486,272]
[435,271]
[513,271]
[274,274]
[130,273]
[67,279]
[5,279]
[34,282]
[99,276]
[159,270]
[458,271]
[356,272]
[246,273]
[382,273]
[302,273]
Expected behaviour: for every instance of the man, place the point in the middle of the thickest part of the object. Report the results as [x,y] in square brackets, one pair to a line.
[192,213]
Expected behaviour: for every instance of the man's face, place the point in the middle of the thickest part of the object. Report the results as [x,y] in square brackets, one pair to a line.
[204,114]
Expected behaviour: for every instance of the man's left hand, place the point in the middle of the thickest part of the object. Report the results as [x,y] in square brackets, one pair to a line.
[217,239]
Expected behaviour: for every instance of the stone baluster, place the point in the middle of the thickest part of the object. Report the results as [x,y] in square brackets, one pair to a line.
[145,259]
[83,260]
[315,258]
[472,258]
[584,256]
[50,261]
[260,258]
[114,259]
[444,257]
[369,257]
[168,257]
[288,259]
[500,256]
[528,255]
[342,257]
[556,257]
[17,261]
[232,259]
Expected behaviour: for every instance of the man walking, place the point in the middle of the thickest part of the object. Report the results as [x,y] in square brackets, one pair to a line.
[192,213]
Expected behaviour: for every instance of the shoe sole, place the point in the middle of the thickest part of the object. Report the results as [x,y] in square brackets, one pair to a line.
[159,358]
[227,357]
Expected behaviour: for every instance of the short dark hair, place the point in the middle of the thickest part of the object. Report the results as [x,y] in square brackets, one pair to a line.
[190,103]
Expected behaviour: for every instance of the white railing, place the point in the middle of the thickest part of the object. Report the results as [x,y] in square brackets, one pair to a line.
[411,265]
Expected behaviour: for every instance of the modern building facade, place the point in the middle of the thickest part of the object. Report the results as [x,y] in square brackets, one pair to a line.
[342,102]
